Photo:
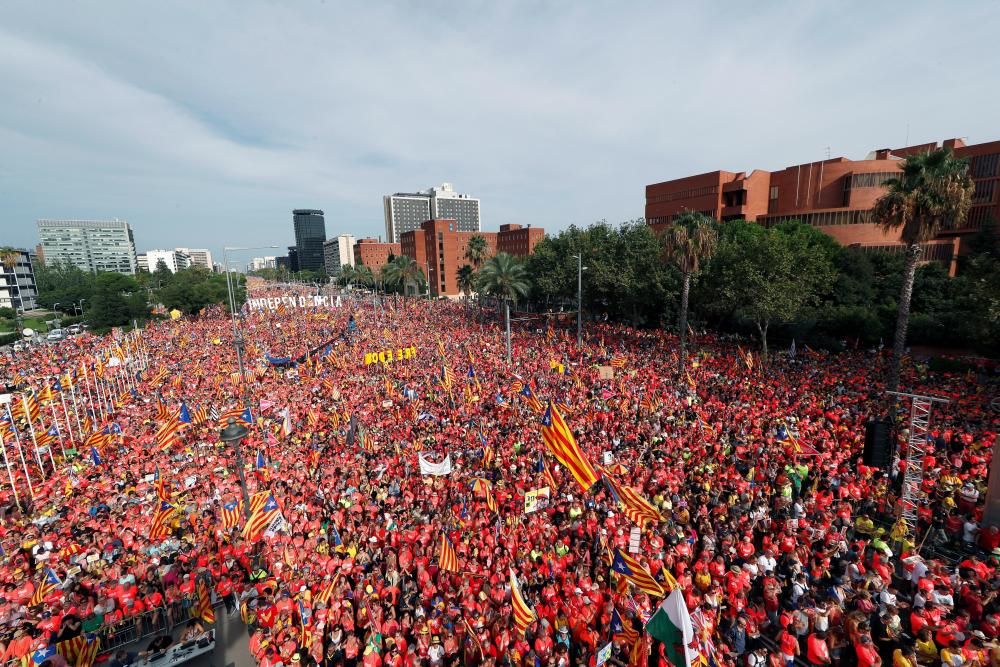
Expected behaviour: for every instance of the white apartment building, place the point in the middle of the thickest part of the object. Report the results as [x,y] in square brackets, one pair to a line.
[337,252]
[406,211]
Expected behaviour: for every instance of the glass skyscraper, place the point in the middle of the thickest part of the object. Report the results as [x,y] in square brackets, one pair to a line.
[310,233]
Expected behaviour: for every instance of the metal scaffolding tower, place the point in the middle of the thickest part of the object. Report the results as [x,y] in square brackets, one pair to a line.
[916,449]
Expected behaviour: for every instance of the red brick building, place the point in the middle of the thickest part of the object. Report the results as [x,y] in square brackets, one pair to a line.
[834,195]
[440,249]
[373,253]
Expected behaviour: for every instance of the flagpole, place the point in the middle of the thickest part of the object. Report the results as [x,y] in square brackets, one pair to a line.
[76,412]
[20,453]
[55,422]
[69,425]
[86,385]
[31,428]
[10,475]
[100,399]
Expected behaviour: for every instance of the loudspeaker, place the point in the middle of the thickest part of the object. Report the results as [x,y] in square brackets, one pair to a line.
[879,443]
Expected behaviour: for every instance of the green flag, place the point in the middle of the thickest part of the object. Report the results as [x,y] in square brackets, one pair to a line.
[671,624]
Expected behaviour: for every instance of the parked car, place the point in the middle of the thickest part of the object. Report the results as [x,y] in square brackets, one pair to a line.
[55,335]
[74,329]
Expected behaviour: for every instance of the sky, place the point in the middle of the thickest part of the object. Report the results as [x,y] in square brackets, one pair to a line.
[203,123]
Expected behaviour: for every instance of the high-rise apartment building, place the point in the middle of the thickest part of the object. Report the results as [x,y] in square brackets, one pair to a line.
[835,195]
[92,245]
[261,263]
[439,247]
[338,252]
[405,211]
[199,257]
[17,281]
[310,233]
[174,260]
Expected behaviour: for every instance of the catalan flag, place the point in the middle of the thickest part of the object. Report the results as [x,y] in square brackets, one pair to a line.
[161,520]
[263,510]
[50,582]
[618,361]
[447,377]
[634,571]
[162,412]
[636,508]
[523,614]
[650,402]
[447,558]
[45,395]
[326,593]
[80,651]
[541,467]
[27,407]
[491,502]
[529,397]
[160,485]
[199,416]
[230,515]
[184,417]
[516,385]
[562,444]
[203,605]
[166,436]
[260,466]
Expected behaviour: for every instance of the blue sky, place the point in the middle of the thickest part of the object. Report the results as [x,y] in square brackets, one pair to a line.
[204,123]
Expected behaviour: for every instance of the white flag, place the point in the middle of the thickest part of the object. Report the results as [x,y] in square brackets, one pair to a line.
[431,468]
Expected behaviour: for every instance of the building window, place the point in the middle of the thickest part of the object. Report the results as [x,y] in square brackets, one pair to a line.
[985,166]
[774,192]
[983,194]
[872,180]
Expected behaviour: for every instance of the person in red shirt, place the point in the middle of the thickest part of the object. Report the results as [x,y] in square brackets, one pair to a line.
[867,652]
[817,649]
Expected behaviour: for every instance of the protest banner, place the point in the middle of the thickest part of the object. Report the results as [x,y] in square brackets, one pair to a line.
[536,499]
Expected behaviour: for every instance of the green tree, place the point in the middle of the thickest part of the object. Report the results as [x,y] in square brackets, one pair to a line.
[116,301]
[466,279]
[63,284]
[403,272]
[192,289]
[503,276]
[768,276]
[363,276]
[477,250]
[932,193]
[687,244]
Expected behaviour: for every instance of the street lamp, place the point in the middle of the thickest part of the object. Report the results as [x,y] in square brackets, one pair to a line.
[81,307]
[579,299]
[233,434]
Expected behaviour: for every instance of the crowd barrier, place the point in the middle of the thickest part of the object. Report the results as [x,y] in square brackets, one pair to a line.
[140,627]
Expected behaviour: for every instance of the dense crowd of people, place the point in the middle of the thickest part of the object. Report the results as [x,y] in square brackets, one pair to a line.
[785,546]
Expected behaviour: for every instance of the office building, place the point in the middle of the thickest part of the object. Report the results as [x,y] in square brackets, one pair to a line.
[834,195]
[174,260]
[338,252]
[142,262]
[17,281]
[374,254]
[92,245]
[199,257]
[406,211]
[439,247]
[310,233]
[261,263]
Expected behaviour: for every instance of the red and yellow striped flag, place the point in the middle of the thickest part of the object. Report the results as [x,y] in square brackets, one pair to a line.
[562,444]
[447,558]
[203,605]
[523,614]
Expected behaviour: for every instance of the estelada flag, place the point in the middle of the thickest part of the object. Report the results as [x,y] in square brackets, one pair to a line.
[447,558]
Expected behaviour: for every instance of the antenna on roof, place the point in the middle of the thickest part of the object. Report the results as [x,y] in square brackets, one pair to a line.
[827,152]
[907,142]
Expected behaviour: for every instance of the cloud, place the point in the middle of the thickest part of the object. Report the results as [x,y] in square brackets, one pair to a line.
[206,123]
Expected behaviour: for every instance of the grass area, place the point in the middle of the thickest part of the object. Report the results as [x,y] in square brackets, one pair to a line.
[36,323]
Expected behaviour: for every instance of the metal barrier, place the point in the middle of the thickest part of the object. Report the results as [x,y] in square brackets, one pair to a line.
[147,624]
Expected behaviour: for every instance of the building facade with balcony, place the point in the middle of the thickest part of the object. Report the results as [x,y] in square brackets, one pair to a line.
[17,281]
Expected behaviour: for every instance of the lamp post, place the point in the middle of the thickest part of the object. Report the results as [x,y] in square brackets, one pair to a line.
[233,434]
[81,307]
[579,299]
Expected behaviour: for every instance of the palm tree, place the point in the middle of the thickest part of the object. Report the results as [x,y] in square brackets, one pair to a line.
[466,280]
[363,275]
[688,243]
[503,276]
[932,193]
[9,257]
[347,275]
[477,250]
[402,272]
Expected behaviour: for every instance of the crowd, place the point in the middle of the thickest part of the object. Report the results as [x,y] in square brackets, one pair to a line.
[785,546]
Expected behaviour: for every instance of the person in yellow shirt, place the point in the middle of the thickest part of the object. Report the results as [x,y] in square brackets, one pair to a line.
[864,525]
[927,650]
[904,657]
